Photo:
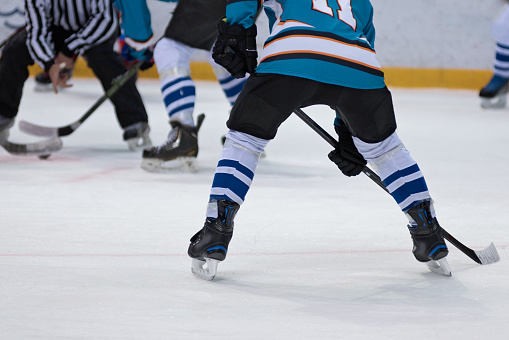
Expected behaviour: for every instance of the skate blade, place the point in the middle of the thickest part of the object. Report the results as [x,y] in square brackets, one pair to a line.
[185,164]
[206,270]
[135,144]
[44,87]
[497,102]
[440,267]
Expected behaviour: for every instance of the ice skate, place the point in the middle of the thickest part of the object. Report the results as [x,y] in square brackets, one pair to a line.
[209,246]
[494,94]
[429,244]
[179,152]
[137,136]
[5,125]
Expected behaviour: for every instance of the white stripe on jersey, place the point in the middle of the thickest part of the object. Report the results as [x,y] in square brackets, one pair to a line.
[279,26]
[139,45]
[323,46]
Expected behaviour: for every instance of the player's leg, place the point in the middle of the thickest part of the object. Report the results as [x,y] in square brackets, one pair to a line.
[131,114]
[13,74]
[494,93]
[179,95]
[253,123]
[370,116]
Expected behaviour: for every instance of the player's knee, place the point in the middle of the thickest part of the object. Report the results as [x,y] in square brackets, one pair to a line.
[373,151]
[247,141]
[170,54]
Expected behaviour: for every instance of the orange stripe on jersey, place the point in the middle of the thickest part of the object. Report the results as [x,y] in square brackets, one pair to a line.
[299,22]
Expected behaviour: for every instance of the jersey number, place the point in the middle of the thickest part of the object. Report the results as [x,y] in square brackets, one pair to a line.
[344,12]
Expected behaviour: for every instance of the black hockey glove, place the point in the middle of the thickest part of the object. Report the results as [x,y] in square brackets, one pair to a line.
[346,156]
[235,48]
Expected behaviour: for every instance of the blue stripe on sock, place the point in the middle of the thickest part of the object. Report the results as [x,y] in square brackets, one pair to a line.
[237,166]
[179,93]
[401,173]
[170,84]
[181,108]
[226,80]
[229,181]
[502,57]
[503,46]
[232,92]
[413,187]
[501,68]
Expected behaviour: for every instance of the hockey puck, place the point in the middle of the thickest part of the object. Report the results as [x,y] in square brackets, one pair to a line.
[44,156]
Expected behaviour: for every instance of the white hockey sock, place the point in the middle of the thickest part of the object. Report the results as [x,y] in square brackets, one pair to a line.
[235,169]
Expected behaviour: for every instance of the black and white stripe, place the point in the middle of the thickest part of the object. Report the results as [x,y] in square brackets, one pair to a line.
[92,21]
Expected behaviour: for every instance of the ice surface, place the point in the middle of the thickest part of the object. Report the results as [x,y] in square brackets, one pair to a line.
[93,247]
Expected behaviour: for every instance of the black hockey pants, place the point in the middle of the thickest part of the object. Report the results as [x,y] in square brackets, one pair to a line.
[102,59]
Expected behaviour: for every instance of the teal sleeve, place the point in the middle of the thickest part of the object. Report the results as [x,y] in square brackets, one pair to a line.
[135,21]
[242,12]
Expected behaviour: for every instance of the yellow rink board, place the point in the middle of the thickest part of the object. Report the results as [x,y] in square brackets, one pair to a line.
[398,77]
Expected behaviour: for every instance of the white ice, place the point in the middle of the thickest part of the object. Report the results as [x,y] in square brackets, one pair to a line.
[94,247]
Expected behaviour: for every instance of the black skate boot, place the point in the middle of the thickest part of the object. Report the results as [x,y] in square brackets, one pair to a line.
[137,136]
[429,244]
[210,245]
[43,81]
[182,144]
[494,94]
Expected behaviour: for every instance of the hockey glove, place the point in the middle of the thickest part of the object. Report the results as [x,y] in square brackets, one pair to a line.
[346,156]
[235,49]
[131,56]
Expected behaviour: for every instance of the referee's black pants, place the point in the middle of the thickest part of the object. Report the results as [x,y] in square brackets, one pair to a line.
[102,59]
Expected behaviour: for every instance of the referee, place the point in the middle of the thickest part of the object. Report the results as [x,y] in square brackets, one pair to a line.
[56,32]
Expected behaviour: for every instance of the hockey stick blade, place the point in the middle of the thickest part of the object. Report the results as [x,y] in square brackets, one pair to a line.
[485,256]
[43,131]
[38,148]
[37,130]
[488,255]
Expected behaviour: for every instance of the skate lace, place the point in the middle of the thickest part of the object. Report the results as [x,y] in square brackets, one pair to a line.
[172,138]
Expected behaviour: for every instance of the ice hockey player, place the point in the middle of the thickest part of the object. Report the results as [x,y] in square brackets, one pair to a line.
[172,56]
[494,94]
[319,52]
[52,38]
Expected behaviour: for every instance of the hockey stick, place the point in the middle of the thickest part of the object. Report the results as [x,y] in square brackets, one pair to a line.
[43,148]
[12,35]
[485,256]
[66,130]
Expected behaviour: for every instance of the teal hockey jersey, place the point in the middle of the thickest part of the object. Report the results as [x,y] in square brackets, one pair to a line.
[331,41]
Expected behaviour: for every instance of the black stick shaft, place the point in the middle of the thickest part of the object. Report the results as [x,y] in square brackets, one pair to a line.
[117,84]
[374,177]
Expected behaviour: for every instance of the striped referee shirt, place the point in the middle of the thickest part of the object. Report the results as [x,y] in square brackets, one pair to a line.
[91,21]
